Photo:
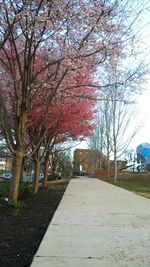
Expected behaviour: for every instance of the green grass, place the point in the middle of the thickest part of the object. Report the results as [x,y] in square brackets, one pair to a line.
[5,187]
[135,182]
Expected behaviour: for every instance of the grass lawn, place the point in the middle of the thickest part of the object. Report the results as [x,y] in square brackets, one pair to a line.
[135,182]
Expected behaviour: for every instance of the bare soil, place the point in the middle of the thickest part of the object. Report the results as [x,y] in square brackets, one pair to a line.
[21,231]
[144,195]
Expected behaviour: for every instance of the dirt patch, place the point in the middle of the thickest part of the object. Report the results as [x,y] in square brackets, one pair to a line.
[21,231]
[147,195]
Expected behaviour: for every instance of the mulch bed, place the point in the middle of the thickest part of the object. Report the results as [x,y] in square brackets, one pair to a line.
[21,231]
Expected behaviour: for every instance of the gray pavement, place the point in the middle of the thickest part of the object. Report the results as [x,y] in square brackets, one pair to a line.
[97,225]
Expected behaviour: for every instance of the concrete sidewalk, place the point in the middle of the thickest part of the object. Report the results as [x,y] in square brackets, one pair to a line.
[97,225]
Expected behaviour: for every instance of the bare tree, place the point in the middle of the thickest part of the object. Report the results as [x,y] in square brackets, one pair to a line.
[123,128]
[119,124]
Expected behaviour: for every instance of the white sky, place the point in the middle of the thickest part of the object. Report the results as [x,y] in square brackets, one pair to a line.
[143,106]
[143,119]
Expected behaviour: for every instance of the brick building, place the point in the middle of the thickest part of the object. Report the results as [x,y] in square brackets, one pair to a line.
[88,161]
[5,163]
[93,162]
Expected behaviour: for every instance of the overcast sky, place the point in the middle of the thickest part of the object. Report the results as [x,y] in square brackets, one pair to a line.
[143,119]
[143,100]
[143,107]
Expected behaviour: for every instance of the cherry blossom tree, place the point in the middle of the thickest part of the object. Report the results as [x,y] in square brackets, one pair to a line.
[68,118]
[42,43]
[70,35]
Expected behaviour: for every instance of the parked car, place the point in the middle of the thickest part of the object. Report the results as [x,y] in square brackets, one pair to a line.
[27,179]
[41,177]
[6,175]
[54,176]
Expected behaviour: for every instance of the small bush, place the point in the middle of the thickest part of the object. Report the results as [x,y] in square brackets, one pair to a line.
[5,188]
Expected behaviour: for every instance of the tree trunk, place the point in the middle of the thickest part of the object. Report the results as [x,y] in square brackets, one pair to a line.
[100,162]
[115,170]
[22,170]
[45,172]
[36,176]
[14,191]
[108,167]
